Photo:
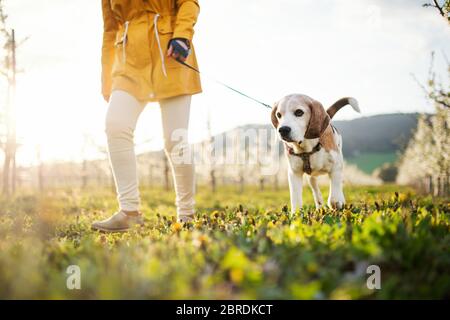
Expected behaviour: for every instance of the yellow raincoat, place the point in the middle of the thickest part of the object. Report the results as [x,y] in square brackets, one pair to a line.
[134,52]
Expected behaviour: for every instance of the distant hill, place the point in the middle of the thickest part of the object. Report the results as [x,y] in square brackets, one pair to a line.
[376,134]
[370,142]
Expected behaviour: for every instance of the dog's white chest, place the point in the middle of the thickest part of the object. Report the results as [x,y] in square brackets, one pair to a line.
[321,162]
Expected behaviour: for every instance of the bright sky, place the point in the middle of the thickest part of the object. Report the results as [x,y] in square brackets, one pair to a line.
[268,48]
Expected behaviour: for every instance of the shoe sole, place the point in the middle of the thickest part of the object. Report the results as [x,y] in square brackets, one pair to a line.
[114,230]
[110,230]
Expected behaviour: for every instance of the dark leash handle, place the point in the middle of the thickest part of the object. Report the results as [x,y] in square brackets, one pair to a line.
[225,85]
[177,47]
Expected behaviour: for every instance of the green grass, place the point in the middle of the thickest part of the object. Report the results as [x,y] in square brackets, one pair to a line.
[368,162]
[240,246]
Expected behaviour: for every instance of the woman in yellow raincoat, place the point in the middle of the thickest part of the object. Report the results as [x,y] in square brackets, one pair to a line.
[142,40]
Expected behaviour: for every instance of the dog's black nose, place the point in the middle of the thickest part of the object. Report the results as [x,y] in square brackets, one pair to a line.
[284,131]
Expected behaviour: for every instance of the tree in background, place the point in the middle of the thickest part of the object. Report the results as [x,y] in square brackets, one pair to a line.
[8,70]
[426,161]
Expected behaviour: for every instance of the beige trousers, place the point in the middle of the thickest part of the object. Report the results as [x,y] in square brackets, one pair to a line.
[121,118]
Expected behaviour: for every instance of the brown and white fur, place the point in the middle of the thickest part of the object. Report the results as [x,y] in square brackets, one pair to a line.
[301,123]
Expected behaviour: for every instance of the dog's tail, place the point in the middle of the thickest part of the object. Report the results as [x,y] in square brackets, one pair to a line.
[341,103]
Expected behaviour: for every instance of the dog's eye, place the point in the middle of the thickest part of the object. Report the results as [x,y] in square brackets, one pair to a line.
[278,115]
[298,113]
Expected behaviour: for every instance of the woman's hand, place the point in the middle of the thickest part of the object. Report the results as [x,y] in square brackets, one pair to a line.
[179,49]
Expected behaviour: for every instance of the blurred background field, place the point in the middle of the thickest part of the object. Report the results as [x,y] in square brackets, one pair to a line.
[241,245]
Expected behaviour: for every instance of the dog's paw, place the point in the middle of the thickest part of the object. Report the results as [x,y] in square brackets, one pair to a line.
[336,204]
[336,200]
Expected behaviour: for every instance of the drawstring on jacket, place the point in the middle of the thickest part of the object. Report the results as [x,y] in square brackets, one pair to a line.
[124,41]
[161,53]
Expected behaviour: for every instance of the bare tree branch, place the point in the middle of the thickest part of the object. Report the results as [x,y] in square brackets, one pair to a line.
[442,9]
[434,89]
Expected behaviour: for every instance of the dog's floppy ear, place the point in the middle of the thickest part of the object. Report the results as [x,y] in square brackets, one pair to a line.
[318,122]
[274,115]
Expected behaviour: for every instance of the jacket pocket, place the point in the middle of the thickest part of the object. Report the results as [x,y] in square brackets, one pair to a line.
[132,45]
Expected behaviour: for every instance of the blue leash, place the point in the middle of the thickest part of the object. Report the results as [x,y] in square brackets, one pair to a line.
[225,85]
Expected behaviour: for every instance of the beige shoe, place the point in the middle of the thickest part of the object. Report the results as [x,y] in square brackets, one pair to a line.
[119,222]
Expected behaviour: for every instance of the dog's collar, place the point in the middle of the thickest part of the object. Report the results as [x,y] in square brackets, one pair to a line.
[305,156]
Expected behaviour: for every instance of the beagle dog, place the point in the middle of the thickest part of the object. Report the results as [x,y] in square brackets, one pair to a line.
[312,146]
